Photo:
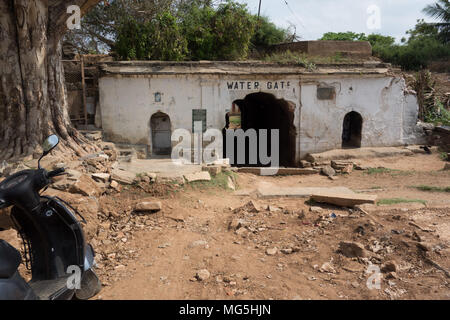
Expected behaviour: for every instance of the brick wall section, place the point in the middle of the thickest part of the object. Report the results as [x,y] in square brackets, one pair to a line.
[327,48]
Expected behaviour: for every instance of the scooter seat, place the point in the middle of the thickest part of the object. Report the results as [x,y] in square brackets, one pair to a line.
[9,260]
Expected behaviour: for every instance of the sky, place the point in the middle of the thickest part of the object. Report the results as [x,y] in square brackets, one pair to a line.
[313,18]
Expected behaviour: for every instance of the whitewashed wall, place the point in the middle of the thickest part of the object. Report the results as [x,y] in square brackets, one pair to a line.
[382,103]
[127,104]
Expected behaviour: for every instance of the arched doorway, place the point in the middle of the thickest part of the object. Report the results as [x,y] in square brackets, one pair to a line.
[264,111]
[161,134]
[352,129]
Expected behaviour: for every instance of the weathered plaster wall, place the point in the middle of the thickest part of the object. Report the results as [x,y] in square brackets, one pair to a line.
[127,103]
[380,101]
[412,133]
[389,114]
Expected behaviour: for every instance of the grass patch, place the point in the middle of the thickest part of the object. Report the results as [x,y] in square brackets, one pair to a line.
[392,201]
[302,59]
[444,156]
[392,172]
[219,181]
[378,170]
[431,188]
[288,57]
[438,115]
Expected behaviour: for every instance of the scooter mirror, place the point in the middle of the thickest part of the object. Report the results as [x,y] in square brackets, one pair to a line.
[50,143]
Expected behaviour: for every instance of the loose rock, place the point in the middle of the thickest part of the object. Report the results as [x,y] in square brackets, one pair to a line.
[287,251]
[230,184]
[271,251]
[86,187]
[327,268]
[328,171]
[148,206]
[213,170]
[102,177]
[122,176]
[352,249]
[235,224]
[202,275]
[389,266]
[116,186]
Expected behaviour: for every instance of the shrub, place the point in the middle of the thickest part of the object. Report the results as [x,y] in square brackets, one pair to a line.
[158,39]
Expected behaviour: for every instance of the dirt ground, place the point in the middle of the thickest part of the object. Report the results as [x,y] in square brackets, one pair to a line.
[157,256]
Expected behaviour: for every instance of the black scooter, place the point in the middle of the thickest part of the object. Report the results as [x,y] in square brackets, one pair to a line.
[60,260]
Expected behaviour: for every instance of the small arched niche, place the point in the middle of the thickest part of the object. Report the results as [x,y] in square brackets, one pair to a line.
[352,130]
[161,134]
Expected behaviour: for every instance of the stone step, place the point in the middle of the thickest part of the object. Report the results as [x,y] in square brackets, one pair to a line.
[361,153]
[278,171]
[343,199]
[270,192]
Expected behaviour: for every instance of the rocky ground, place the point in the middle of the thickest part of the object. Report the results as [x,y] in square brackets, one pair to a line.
[201,240]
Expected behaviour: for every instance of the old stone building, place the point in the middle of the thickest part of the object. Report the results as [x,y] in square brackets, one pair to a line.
[316,109]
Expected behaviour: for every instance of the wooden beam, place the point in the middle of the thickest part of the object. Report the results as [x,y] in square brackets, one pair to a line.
[83,86]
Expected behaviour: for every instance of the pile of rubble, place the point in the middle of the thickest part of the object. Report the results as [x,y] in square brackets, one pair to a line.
[252,220]
[86,180]
[115,228]
[397,253]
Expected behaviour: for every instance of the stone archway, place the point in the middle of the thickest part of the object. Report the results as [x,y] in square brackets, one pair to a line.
[264,111]
[352,130]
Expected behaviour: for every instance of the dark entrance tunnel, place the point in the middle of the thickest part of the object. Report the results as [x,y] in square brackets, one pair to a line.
[352,130]
[264,111]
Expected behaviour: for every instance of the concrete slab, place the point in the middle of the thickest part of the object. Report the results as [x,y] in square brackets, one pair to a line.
[278,171]
[244,192]
[298,192]
[361,153]
[163,168]
[198,176]
[343,199]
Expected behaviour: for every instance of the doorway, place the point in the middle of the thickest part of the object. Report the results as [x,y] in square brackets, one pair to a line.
[352,130]
[264,111]
[161,134]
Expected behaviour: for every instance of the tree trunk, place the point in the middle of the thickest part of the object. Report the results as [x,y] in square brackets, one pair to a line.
[33,102]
